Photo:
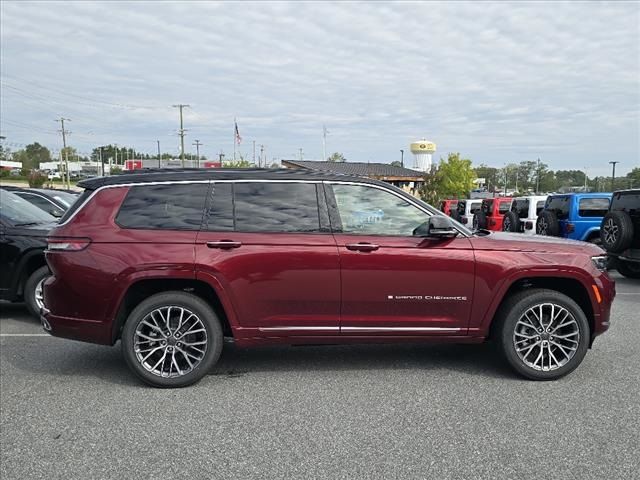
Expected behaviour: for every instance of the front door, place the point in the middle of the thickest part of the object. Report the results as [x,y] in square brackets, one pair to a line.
[270,247]
[394,283]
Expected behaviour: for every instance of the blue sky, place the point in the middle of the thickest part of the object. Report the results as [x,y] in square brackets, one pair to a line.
[499,82]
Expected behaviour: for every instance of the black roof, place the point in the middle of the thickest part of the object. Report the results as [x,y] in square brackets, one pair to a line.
[357,168]
[186,174]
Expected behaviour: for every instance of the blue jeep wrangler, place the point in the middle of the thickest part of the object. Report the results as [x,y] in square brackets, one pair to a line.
[574,215]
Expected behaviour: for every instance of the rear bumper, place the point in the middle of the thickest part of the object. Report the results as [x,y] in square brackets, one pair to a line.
[76,328]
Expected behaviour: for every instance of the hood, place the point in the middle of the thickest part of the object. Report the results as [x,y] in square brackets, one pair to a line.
[518,242]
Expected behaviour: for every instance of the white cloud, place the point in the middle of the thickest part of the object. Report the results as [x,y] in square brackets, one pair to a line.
[498,82]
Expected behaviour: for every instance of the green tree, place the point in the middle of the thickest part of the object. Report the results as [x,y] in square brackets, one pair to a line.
[634,178]
[490,174]
[336,157]
[396,163]
[236,163]
[32,155]
[453,178]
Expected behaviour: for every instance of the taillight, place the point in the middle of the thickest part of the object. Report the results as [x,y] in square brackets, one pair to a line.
[570,227]
[67,244]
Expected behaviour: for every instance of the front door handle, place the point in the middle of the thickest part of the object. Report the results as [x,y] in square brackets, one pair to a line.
[224,244]
[362,247]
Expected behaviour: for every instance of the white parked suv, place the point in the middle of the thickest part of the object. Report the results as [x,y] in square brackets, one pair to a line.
[466,209]
[522,216]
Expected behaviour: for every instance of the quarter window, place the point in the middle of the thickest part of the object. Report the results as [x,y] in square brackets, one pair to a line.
[163,207]
[521,207]
[371,211]
[593,207]
[276,207]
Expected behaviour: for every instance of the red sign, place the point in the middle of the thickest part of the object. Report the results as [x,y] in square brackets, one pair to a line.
[210,164]
[133,164]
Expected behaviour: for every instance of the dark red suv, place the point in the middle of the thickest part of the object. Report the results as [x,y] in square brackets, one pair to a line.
[170,262]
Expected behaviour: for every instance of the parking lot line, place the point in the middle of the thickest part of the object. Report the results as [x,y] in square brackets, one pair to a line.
[24,335]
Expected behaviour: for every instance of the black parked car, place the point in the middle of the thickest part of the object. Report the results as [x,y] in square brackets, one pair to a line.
[54,202]
[23,231]
[620,232]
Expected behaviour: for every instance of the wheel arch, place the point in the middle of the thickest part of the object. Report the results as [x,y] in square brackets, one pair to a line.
[145,287]
[29,263]
[571,287]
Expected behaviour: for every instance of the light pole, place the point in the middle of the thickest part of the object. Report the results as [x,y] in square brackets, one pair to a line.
[613,174]
[402,158]
[538,177]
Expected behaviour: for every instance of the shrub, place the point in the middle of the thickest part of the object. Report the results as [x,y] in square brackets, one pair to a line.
[36,179]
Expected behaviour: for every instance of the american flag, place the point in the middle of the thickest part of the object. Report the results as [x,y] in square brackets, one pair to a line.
[238,137]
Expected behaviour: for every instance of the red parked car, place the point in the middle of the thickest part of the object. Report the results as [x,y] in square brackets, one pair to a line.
[491,213]
[170,262]
[448,206]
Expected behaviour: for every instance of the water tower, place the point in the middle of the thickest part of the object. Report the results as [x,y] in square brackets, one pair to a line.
[423,150]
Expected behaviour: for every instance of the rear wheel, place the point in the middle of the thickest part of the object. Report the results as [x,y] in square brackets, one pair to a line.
[628,269]
[616,231]
[33,290]
[543,334]
[172,339]
[480,221]
[511,222]
[547,224]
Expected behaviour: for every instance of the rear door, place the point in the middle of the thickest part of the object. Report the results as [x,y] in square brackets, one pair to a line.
[269,245]
[394,283]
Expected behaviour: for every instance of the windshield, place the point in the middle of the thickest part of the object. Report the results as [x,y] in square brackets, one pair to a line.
[18,211]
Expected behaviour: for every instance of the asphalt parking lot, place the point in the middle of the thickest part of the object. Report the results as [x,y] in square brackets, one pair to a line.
[73,410]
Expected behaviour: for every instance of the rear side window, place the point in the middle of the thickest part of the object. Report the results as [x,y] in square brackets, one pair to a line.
[163,207]
[521,207]
[276,207]
[629,202]
[593,207]
[487,206]
[559,206]
[503,207]
[475,206]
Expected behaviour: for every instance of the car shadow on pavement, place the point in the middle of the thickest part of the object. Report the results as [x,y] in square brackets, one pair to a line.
[482,359]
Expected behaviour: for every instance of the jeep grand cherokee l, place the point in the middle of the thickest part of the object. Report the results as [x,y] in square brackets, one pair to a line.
[170,262]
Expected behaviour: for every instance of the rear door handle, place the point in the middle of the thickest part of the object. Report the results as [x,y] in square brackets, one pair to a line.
[224,244]
[362,247]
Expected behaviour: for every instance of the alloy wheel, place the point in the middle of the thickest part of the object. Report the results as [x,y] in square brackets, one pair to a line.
[170,341]
[542,227]
[610,231]
[546,337]
[506,225]
[39,296]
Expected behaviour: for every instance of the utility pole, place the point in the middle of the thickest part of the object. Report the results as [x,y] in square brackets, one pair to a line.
[613,175]
[538,177]
[197,144]
[182,130]
[402,158]
[262,159]
[301,156]
[64,145]
[101,164]
[254,153]
[159,155]
[585,179]
[324,143]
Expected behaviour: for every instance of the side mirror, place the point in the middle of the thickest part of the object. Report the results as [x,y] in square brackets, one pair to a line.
[438,226]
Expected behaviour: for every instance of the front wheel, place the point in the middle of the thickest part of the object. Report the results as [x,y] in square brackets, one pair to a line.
[543,334]
[172,339]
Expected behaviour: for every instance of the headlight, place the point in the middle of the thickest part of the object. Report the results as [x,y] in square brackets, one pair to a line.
[600,262]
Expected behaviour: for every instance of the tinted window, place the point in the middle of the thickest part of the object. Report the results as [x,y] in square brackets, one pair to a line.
[593,207]
[559,206]
[521,207]
[629,202]
[18,211]
[165,207]
[276,207]
[220,208]
[539,207]
[40,202]
[371,211]
[475,206]
[487,206]
[503,207]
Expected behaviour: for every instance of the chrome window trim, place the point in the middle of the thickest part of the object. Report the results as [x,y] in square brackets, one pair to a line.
[302,328]
[183,182]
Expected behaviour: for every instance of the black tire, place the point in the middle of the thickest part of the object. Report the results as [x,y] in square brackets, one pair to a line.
[547,224]
[480,220]
[628,269]
[616,231]
[31,287]
[511,222]
[173,299]
[511,312]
